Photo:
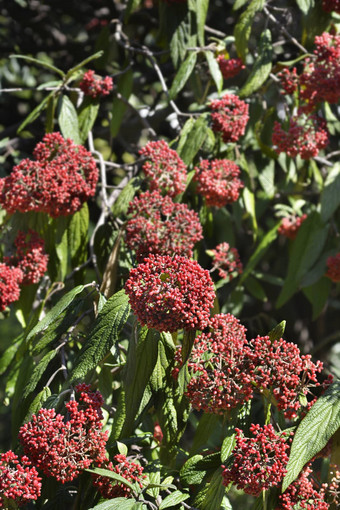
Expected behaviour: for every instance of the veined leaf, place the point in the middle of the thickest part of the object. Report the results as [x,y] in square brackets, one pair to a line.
[173,499]
[77,232]
[194,140]
[243,27]
[113,476]
[211,496]
[314,432]
[201,15]
[68,120]
[37,373]
[262,66]
[116,504]
[183,74]
[87,116]
[36,112]
[215,70]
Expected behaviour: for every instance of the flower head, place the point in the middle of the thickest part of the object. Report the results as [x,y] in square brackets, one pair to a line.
[10,280]
[302,494]
[227,261]
[164,169]
[95,86]
[290,225]
[259,461]
[218,181]
[110,488]
[19,482]
[168,294]
[230,67]
[158,225]
[333,268]
[229,117]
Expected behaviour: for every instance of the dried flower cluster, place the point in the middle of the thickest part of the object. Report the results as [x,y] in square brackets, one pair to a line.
[61,178]
[226,260]
[159,226]
[95,86]
[63,447]
[218,181]
[110,488]
[259,462]
[164,170]
[306,136]
[333,268]
[229,117]
[290,225]
[19,480]
[230,67]
[169,294]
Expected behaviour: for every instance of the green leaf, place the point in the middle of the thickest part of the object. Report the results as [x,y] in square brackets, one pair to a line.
[10,353]
[183,74]
[77,233]
[68,120]
[227,446]
[314,432]
[54,313]
[201,16]
[37,372]
[305,5]
[215,70]
[259,252]
[242,29]
[330,197]
[262,66]
[103,335]
[206,427]
[121,205]
[173,499]
[318,294]
[305,251]
[61,226]
[124,87]
[87,115]
[193,141]
[249,203]
[277,332]
[116,504]
[131,6]
[83,63]
[211,496]
[40,63]
[37,403]
[255,289]
[36,112]
[114,476]
[51,106]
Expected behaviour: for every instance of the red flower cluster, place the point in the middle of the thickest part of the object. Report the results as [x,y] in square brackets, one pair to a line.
[159,226]
[165,170]
[301,494]
[19,482]
[269,372]
[95,86]
[289,80]
[30,256]
[259,462]
[230,67]
[218,181]
[10,280]
[306,136]
[63,448]
[218,367]
[333,268]
[290,225]
[168,294]
[230,116]
[331,6]
[110,488]
[62,177]
[226,260]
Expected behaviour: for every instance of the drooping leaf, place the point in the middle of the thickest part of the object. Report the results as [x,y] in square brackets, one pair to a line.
[40,63]
[103,335]
[68,120]
[318,294]
[113,476]
[77,237]
[87,115]
[305,5]
[262,66]
[194,140]
[201,15]
[36,112]
[314,432]
[215,70]
[330,197]
[37,372]
[242,29]
[183,73]
[173,499]
[211,496]
[83,63]
[37,403]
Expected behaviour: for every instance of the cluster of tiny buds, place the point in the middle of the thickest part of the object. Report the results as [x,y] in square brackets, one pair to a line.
[290,225]
[164,169]
[10,280]
[226,260]
[229,117]
[331,490]
[170,293]
[129,470]
[333,268]
[302,494]
[218,181]
[230,67]
[258,462]
[58,181]
[159,226]
[19,480]
[95,86]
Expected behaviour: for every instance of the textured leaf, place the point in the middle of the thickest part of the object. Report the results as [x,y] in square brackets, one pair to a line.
[215,70]
[201,15]
[37,372]
[243,27]
[277,332]
[206,427]
[211,497]
[126,195]
[194,140]
[314,432]
[183,74]
[87,115]
[305,251]
[36,112]
[249,202]
[173,499]
[113,476]
[262,66]
[10,353]
[37,403]
[68,120]
[103,335]
[116,504]
[54,313]
[330,198]
[77,236]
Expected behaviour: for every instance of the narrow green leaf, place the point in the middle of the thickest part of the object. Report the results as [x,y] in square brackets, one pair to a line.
[173,499]
[51,105]
[194,140]
[262,66]
[215,70]
[68,120]
[305,251]
[113,476]
[54,313]
[103,335]
[37,403]
[305,5]
[259,252]
[277,332]
[206,428]
[124,87]
[330,197]
[318,294]
[213,493]
[87,115]
[227,446]
[314,432]
[126,195]
[40,63]
[61,225]
[255,289]
[83,63]
[183,74]
[10,353]
[77,234]
[201,15]
[249,202]
[243,27]
[131,6]
[36,112]
[38,372]
[116,504]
